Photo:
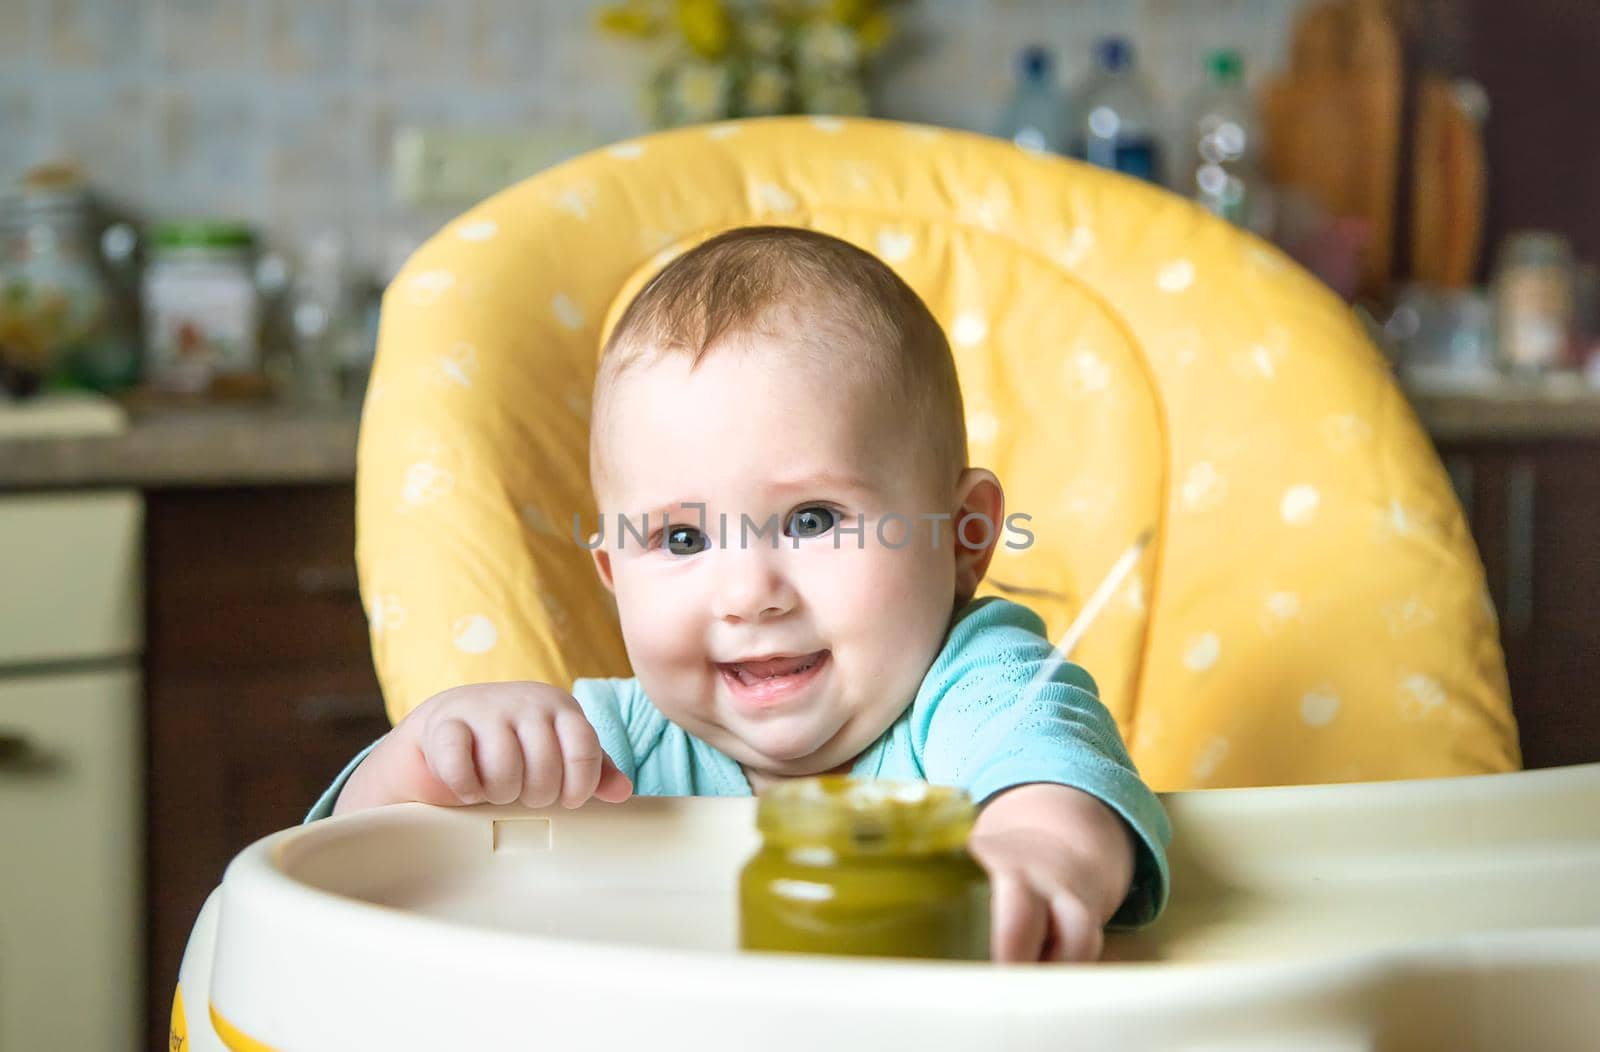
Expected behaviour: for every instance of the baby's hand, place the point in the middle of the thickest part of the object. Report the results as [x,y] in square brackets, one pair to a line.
[1059,864]
[489,742]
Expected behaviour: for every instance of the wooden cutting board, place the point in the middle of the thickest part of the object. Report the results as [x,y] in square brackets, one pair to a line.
[1448,186]
[1332,122]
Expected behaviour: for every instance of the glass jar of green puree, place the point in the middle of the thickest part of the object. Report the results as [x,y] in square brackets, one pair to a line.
[866,868]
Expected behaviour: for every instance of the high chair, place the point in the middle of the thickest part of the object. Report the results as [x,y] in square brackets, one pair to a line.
[1311,610]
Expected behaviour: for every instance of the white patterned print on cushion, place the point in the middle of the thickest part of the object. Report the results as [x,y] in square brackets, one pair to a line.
[424,483]
[1319,706]
[983,428]
[969,329]
[1256,362]
[1175,276]
[895,246]
[1203,487]
[774,198]
[1345,432]
[1086,373]
[1299,504]
[1069,248]
[385,613]
[474,635]
[459,365]
[1407,615]
[1420,696]
[1202,651]
[567,312]
[1278,610]
[1210,759]
[425,288]
[988,209]
[481,230]
[577,201]
[1133,595]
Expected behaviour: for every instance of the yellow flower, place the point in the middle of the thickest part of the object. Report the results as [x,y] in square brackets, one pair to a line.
[849,12]
[699,92]
[704,25]
[632,19]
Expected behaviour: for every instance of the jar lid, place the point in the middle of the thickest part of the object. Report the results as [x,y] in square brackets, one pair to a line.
[854,816]
[203,233]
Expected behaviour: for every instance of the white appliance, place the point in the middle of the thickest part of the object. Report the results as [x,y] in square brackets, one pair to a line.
[71,799]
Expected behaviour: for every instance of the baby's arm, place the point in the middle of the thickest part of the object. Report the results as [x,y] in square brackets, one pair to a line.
[1070,835]
[488,743]
[1060,862]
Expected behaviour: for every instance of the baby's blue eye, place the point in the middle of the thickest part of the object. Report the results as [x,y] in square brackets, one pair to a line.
[686,540]
[811,521]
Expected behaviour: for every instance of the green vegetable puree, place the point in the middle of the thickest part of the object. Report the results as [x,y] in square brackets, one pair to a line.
[867,868]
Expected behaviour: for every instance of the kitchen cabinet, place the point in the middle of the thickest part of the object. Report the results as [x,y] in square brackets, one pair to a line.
[1534,509]
[259,685]
[71,819]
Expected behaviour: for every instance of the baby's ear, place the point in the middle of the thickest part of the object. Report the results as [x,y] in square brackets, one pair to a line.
[602,566]
[981,505]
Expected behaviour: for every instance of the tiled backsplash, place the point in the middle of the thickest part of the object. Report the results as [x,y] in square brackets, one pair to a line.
[282,111]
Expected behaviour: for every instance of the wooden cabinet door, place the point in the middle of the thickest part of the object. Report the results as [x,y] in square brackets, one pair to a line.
[260,686]
[1534,508]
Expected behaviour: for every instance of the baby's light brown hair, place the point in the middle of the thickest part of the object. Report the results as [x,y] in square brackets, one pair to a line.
[853,314]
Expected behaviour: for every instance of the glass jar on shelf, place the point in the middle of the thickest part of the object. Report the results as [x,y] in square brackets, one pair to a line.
[1534,303]
[202,309]
[57,310]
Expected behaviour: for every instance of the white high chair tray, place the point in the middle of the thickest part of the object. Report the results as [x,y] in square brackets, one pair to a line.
[1455,913]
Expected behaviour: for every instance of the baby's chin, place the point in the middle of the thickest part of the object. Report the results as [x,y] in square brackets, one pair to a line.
[801,753]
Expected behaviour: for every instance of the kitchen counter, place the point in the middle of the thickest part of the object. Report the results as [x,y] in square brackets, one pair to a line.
[192,446]
[279,445]
[1563,409]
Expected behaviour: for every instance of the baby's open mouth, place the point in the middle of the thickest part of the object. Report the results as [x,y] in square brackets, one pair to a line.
[764,670]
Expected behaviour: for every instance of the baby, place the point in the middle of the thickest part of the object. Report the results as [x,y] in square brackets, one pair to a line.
[778,437]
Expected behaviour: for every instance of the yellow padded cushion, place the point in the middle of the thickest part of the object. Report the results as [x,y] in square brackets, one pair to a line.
[1312,608]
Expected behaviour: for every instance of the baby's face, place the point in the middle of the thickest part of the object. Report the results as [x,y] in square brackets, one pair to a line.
[791,659]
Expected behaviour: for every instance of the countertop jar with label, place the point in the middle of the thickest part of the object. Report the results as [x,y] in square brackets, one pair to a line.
[1534,303]
[201,307]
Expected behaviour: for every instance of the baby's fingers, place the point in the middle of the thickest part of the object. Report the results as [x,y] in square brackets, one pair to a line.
[586,770]
[1019,920]
[448,752]
[541,762]
[500,762]
[1075,934]
[614,786]
[581,757]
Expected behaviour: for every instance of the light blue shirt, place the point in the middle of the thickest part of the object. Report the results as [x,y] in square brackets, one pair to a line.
[969,725]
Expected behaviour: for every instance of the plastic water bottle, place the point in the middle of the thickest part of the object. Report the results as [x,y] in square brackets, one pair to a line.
[1119,128]
[1036,116]
[1223,142]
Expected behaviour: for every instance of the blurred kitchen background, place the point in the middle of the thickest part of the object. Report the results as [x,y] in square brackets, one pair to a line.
[203,199]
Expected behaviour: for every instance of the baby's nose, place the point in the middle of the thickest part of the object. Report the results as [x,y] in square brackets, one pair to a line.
[751,586]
